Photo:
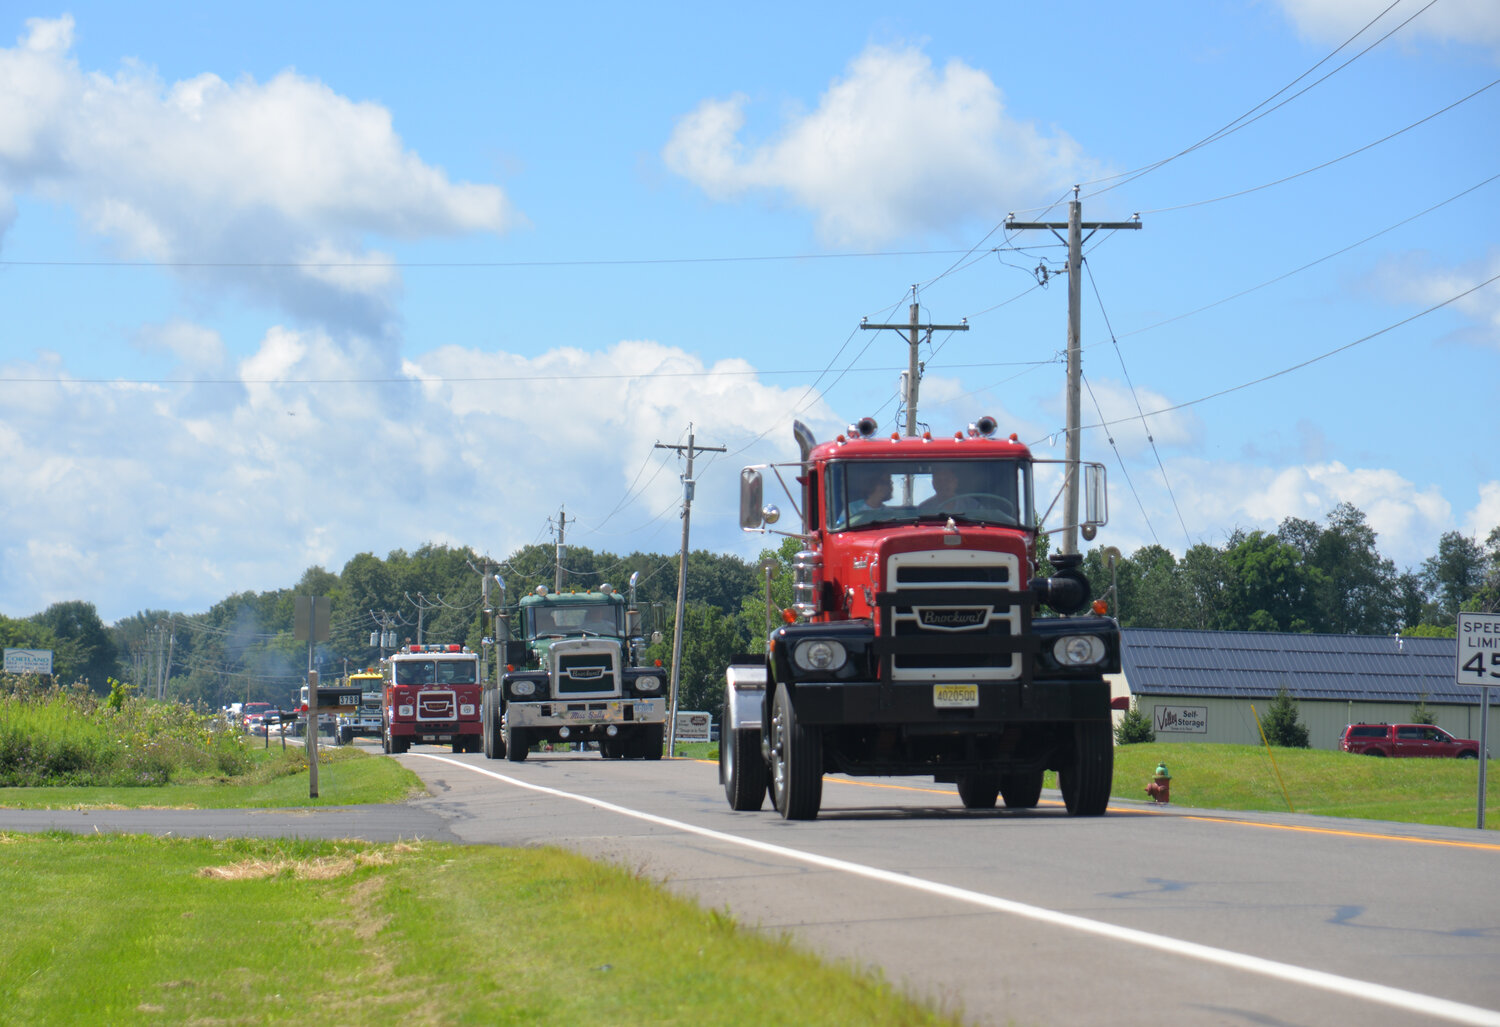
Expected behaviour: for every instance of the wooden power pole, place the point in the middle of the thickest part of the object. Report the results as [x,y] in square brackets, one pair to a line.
[1075,240]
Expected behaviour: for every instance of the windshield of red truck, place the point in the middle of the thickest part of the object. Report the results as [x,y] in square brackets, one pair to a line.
[872,492]
[436,672]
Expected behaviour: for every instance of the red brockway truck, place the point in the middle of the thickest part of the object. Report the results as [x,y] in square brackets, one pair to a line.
[431,694]
[916,644]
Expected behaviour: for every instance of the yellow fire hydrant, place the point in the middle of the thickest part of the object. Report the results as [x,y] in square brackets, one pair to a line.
[1160,788]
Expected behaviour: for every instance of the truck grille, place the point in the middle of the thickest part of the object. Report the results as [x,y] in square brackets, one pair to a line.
[585,668]
[437,706]
[954,616]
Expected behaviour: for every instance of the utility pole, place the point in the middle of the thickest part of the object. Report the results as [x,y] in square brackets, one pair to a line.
[385,637]
[913,366]
[687,511]
[489,616]
[422,606]
[562,526]
[1074,226]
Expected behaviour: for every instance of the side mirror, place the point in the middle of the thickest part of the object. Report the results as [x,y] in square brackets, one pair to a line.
[1095,499]
[751,494]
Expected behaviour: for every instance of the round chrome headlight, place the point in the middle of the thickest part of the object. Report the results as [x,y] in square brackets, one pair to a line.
[822,654]
[1078,650]
[647,684]
[522,687]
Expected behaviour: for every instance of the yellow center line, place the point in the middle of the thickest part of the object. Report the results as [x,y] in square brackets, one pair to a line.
[1342,832]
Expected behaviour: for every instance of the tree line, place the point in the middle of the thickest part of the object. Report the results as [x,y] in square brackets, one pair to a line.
[1303,577]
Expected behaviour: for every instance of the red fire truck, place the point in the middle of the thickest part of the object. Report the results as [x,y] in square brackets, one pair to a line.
[431,695]
[916,643]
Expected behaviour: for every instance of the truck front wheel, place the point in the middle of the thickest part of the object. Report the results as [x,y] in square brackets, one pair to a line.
[1085,779]
[979,791]
[516,744]
[1021,790]
[742,769]
[796,761]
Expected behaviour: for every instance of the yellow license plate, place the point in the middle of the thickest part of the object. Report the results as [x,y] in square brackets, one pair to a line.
[955,696]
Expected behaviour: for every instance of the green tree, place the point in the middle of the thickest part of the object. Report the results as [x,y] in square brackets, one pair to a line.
[1454,575]
[1281,723]
[1268,583]
[1135,726]
[85,648]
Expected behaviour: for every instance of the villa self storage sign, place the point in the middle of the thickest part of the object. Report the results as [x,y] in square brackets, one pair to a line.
[1186,720]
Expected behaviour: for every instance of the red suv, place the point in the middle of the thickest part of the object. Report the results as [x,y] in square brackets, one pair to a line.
[1406,740]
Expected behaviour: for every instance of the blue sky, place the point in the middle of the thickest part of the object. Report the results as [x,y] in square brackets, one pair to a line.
[284,283]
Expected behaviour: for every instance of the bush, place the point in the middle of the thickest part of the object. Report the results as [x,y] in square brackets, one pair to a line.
[1134,727]
[1281,724]
[54,736]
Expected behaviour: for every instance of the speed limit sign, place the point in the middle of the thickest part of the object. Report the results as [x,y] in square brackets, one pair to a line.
[1479,649]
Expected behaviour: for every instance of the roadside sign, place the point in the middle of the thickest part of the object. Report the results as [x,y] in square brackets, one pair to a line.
[28,661]
[1478,662]
[693,726]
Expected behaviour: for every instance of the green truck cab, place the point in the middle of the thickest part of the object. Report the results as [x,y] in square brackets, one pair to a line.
[573,675]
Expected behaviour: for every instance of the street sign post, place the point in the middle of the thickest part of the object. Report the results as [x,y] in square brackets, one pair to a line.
[1477,663]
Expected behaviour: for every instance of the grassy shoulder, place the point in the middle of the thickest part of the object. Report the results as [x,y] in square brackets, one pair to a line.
[1332,784]
[130,929]
[275,778]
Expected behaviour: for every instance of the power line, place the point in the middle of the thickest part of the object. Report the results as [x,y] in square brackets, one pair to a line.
[1244,120]
[1327,163]
[1311,360]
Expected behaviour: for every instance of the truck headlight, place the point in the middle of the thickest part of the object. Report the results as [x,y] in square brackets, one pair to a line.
[647,684]
[1078,650]
[522,687]
[821,654]
[466,710]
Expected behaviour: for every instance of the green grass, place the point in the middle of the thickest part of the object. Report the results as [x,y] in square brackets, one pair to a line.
[1332,784]
[346,776]
[121,930]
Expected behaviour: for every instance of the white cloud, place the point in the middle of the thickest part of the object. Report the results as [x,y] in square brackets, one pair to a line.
[1452,21]
[1485,517]
[1215,497]
[894,148]
[211,172]
[1419,277]
[174,496]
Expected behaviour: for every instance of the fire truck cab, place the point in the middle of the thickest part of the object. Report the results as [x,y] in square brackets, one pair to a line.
[431,695]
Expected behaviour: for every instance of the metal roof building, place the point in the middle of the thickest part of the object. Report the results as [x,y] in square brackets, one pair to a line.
[1255,664]
[1201,685]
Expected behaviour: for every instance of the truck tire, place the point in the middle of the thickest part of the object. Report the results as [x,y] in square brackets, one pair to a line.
[651,740]
[385,739]
[400,745]
[1086,777]
[979,791]
[516,744]
[1022,789]
[796,761]
[742,769]
[487,722]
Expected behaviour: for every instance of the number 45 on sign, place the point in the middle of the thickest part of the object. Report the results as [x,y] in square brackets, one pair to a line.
[1479,649]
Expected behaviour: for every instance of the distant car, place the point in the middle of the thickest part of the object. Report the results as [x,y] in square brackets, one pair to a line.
[1406,740]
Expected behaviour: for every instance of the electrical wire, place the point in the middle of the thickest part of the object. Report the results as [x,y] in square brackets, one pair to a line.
[1327,163]
[1151,438]
[1311,360]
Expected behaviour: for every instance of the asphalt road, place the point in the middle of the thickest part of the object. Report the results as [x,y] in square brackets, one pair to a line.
[1149,915]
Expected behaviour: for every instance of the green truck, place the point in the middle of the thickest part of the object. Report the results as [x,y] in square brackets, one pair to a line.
[573,674]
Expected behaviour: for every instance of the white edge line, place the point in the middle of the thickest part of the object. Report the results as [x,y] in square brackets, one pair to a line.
[1398,998]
